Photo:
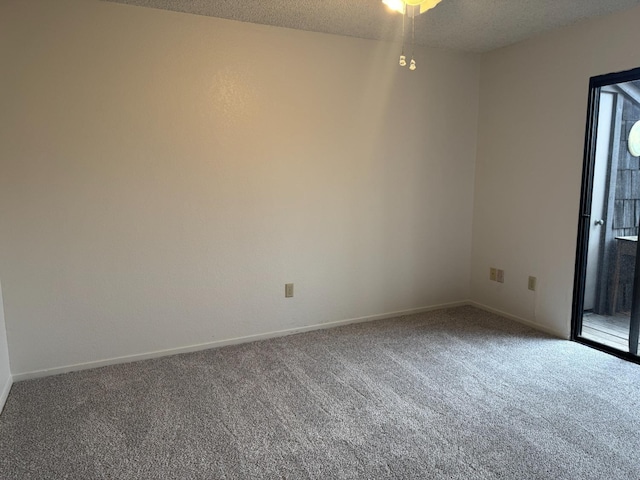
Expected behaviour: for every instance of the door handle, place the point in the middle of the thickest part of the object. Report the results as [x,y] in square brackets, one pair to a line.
[599,222]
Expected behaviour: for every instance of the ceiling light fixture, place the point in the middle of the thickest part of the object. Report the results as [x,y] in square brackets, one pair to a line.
[411,9]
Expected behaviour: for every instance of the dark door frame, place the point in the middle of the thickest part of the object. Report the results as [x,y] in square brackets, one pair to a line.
[591,128]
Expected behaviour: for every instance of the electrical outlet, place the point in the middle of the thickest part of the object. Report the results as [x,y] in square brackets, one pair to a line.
[532,283]
[493,275]
[500,276]
[288,290]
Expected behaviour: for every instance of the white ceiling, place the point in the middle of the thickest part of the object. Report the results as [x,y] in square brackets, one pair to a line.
[471,25]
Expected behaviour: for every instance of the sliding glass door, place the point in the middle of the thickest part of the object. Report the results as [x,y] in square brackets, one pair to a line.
[606,310]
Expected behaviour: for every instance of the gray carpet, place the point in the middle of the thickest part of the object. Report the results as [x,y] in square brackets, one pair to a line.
[457,393]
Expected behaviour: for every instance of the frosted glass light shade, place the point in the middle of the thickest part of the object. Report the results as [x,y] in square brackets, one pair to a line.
[634,140]
[401,5]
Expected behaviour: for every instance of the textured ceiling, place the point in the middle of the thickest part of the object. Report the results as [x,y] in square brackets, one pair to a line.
[471,25]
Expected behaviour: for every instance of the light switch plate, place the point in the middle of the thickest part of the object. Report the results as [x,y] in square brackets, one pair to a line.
[493,276]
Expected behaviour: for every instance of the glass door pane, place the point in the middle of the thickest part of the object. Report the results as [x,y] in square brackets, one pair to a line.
[610,310]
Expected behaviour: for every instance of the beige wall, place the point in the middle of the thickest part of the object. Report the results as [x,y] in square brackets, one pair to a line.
[163,176]
[533,105]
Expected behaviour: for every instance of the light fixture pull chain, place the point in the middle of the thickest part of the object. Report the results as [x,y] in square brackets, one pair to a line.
[403,59]
[412,66]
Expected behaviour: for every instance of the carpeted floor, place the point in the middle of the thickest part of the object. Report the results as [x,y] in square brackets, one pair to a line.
[457,393]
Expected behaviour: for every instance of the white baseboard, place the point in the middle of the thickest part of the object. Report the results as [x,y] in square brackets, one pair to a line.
[515,318]
[4,393]
[17,377]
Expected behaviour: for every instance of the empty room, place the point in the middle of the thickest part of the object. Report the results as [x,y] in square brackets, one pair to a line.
[319,239]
